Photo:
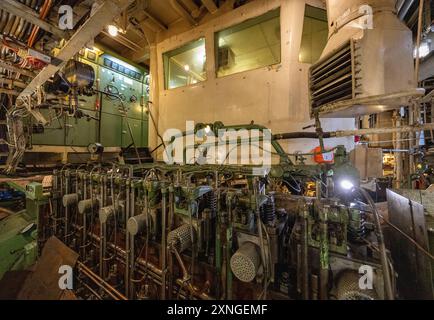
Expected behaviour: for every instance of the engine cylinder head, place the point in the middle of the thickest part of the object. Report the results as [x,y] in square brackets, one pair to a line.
[137,223]
[105,213]
[245,262]
[86,205]
[70,199]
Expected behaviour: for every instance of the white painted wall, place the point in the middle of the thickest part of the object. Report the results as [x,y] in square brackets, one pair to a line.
[276,96]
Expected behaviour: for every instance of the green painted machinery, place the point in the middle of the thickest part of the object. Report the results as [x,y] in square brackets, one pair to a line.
[18,242]
[18,232]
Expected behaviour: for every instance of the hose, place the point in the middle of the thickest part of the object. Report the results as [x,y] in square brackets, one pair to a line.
[383,255]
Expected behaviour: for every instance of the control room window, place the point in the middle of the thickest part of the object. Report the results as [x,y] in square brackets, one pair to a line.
[315,34]
[186,65]
[252,44]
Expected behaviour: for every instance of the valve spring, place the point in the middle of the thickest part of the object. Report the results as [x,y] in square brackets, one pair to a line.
[269,211]
[357,232]
[211,202]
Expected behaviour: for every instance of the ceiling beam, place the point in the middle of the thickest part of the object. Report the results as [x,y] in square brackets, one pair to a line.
[159,23]
[20,10]
[123,41]
[210,5]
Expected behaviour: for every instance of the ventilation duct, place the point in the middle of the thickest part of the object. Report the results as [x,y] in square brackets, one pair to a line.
[367,65]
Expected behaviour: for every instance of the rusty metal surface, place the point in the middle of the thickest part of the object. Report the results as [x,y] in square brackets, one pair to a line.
[413,267]
[11,284]
[43,284]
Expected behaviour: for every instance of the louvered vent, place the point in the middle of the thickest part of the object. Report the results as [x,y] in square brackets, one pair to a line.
[331,79]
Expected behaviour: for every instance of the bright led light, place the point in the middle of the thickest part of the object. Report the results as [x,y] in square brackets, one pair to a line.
[347,185]
[112,30]
[207,129]
[187,67]
[424,50]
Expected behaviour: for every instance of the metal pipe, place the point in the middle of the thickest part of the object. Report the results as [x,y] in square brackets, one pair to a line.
[324,254]
[127,241]
[13,83]
[99,281]
[304,254]
[261,237]
[349,133]
[405,7]
[148,266]
[9,91]
[398,145]
[163,243]
[102,249]
[383,254]
[132,248]
[418,39]
[169,225]
[25,72]
[24,12]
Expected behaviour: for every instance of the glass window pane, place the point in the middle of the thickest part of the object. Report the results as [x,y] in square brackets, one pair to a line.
[315,34]
[252,44]
[186,65]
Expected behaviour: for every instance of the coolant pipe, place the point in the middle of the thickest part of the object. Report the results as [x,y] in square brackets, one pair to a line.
[132,248]
[163,243]
[105,214]
[218,126]
[127,241]
[388,287]
[148,267]
[261,237]
[324,254]
[300,135]
[228,252]
[84,208]
[169,225]
[304,254]
[69,200]
[102,249]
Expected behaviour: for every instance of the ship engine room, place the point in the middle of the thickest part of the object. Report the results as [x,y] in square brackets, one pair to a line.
[211,150]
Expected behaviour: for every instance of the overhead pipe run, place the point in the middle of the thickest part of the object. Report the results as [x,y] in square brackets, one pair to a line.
[25,14]
[404,8]
[350,133]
